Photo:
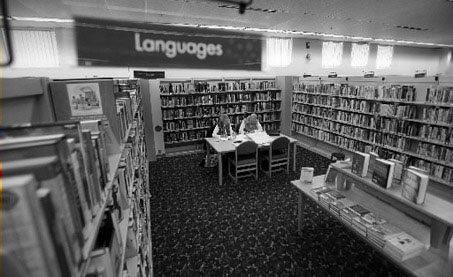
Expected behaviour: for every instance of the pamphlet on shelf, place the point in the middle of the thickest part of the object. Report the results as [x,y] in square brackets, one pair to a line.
[306,175]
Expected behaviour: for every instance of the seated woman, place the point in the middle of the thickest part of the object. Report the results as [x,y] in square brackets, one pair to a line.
[223,127]
[250,124]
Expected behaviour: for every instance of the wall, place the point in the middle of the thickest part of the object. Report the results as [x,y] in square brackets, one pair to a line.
[406,61]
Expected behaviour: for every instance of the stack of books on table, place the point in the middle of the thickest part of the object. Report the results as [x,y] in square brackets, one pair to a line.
[403,247]
[324,200]
[327,197]
[357,212]
[379,234]
[321,190]
[340,204]
[332,196]
[365,222]
[347,215]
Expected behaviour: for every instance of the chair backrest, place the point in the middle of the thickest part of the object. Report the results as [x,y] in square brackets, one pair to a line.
[236,128]
[245,148]
[280,143]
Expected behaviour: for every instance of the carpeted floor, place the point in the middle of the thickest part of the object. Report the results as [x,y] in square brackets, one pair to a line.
[250,229]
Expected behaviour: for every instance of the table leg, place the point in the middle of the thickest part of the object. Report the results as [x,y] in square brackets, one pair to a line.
[220,169]
[208,154]
[294,156]
[440,240]
[300,214]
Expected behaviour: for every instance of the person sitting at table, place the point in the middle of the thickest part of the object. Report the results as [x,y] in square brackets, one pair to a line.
[250,124]
[223,127]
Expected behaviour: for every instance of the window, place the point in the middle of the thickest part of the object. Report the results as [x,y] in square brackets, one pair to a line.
[279,52]
[332,54]
[384,56]
[359,55]
[33,48]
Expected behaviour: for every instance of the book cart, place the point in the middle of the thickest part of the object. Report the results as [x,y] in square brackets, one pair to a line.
[186,109]
[105,181]
[430,223]
[405,118]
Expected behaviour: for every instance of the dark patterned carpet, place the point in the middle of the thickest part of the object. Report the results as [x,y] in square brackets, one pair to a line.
[250,229]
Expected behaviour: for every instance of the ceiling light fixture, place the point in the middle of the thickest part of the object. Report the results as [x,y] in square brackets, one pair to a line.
[41,19]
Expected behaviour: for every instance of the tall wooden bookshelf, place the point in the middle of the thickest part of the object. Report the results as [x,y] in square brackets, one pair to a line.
[121,196]
[188,108]
[409,119]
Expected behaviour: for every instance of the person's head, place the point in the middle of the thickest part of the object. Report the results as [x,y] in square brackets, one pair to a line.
[251,123]
[223,120]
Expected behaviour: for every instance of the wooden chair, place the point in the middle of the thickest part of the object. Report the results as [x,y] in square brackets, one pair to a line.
[277,157]
[244,160]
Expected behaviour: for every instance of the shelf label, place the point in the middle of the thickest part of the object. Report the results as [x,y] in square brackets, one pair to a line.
[115,43]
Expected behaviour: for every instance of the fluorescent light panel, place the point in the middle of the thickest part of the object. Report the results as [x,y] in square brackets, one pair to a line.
[261,30]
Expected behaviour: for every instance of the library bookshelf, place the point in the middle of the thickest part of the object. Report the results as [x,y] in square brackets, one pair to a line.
[429,223]
[187,109]
[105,180]
[408,119]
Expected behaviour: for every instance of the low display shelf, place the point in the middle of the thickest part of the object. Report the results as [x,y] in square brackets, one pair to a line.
[431,223]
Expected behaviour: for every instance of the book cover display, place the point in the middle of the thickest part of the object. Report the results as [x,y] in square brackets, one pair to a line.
[383,173]
[360,162]
[414,186]
[87,100]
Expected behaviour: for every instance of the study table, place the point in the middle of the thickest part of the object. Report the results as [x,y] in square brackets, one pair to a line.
[431,222]
[223,146]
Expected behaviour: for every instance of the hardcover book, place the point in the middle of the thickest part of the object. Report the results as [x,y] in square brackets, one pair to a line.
[41,146]
[414,186]
[25,233]
[398,172]
[360,162]
[383,173]
[358,210]
[373,157]
[48,172]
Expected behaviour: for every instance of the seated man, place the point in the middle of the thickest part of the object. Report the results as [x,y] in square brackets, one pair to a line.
[250,124]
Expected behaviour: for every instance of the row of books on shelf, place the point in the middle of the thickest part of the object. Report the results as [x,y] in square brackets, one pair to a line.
[436,94]
[409,146]
[376,229]
[400,110]
[434,167]
[71,164]
[408,129]
[262,107]
[185,135]
[71,161]
[215,86]
[396,92]
[439,95]
[223,99]
[119,237]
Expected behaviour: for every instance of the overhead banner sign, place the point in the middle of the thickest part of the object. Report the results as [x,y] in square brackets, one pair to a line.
[112,43]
